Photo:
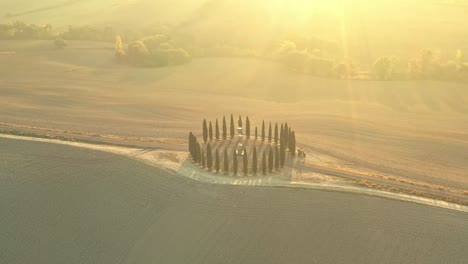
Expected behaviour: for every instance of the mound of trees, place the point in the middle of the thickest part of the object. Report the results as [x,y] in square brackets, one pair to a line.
[281,140]
[156,51]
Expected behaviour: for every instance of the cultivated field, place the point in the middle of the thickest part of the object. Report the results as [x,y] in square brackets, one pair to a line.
[71,205]
[410,130]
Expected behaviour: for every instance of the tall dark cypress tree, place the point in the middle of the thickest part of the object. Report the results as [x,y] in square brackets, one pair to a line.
[292,144]
[217,161]
[276,133]
[217,129]
[199,153]
[281,135]
[226,161]
[277,158]
[205,131]
[282,155]
[269,133]
[270,159]
[256,133]
[224,128]
[190,140]
[286,136]
[203,163]
[232,127]
[264,164]
[239,122]
[254,161]
[210,132]
[263,130]
[245,163]
[209,157]
[234,162]
[247,127]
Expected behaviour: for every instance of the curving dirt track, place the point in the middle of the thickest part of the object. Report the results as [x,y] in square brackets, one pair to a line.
[62,204]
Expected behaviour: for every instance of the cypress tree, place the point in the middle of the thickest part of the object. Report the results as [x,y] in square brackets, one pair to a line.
[263,130]
[224,128]
[217,129]
[203,163]
[199,153]
[276,133]
[277,158]
[246,162]
[281,135]
[282,153]
[209,157]
[292,144]
[205,131]
[286,136]
[217,161]
[270,160]
[190,139]
[254,161]
[234,162]
[232,126]
[247,127]
[239,122]
[226,161]
[256,133]
[210,132]
[269,133]
[264,165]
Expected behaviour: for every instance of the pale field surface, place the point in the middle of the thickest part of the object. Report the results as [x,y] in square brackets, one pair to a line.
[62,204]
[416,130]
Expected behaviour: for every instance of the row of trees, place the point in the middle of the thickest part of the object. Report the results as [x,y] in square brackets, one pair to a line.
[273,158]
[285,136]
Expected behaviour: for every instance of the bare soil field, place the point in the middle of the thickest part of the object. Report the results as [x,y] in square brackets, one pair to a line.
[63,204]
[412,131]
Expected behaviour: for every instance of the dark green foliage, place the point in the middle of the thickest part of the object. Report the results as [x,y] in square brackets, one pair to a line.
[276,133]
[239,122]
[232,127]
[263,130]
[224,128]
[60,43]
[193,146]
[217,130]
[199,153]
[210,131]
[270,159]
[264,164]
[226,161]
[286,136]
[277,158]
[217,161]
[205,131]
[256,133]
[282,155]
[245,162]
[234,162]
[247,127]
[281,137]
[269,133]
[203,161]
[292,143]
[254,161]
[209,157]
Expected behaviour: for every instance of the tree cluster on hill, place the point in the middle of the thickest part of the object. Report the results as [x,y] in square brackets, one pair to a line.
[304,60]
[273,157]
[156,51]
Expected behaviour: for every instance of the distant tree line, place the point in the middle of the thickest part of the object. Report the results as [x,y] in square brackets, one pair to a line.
[272,158]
